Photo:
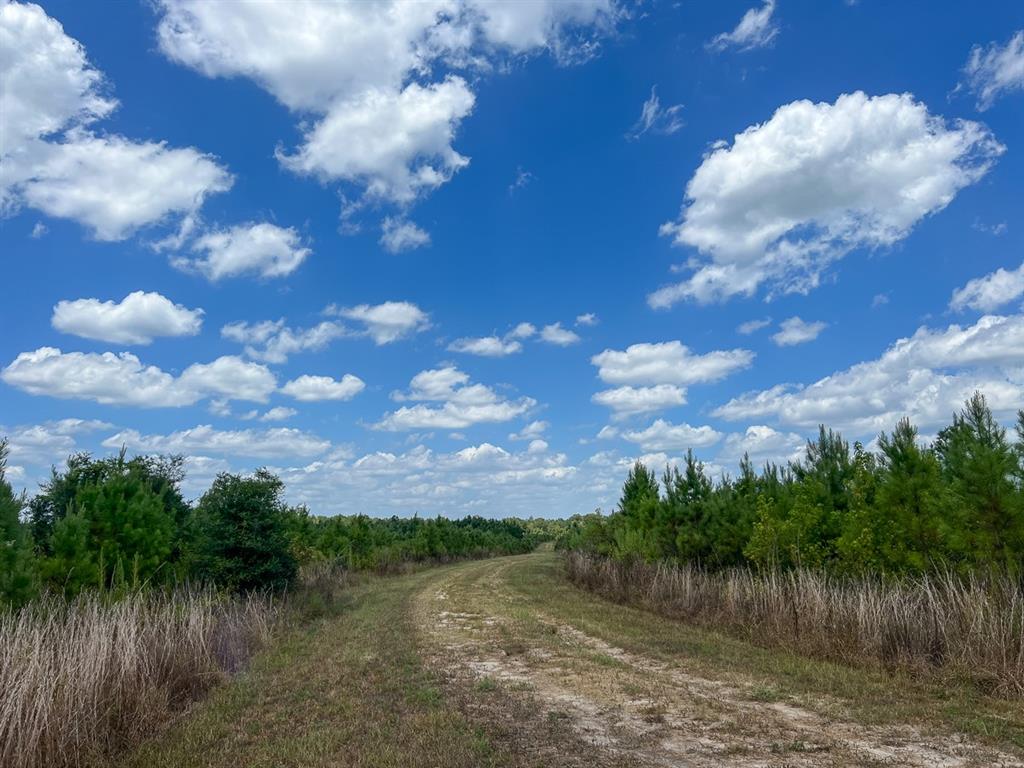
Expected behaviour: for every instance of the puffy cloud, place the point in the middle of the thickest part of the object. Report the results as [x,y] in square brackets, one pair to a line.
[402,235]
[272,341]
[48,81]
[588,319]
[990,292]
[106,378]
[53,163]
[266,250]
[752,326]
[483,476]
[49,442]
[229,377]
[995,69]
[631,401]
[796,331]
[260,443]
[557,335]
[761,444]
[926,376]
[486,346]
[525,26]
[387,322]
[122,379]
[396,144]
[356,67]
[462,404]
[655,118]
[313,388]
[668,362]
[665,436]
[137,319]
[531,431]
[278,413]
[114,185]
[794,194]
[523,331]
[756,29]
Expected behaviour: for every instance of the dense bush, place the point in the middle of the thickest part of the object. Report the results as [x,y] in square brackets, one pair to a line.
[241,535]
[909,509]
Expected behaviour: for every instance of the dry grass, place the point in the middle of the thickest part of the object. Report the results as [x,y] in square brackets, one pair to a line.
[942,626]
[81,681]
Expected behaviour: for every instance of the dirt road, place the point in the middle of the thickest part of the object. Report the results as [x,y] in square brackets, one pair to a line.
[511,625]
[504,664]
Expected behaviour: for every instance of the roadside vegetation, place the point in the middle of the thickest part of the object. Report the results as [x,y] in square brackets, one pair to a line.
[121,602]
[910,558]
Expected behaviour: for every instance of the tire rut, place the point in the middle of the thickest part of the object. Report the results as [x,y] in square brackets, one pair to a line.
[630,709]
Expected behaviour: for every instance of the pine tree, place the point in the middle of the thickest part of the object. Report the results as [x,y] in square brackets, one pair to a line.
[117,530]
[688,500]
[979,463]
[17,572]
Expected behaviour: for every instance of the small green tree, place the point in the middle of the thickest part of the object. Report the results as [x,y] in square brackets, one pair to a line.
[241,537]
[17,571]
[980,464]
[117,532]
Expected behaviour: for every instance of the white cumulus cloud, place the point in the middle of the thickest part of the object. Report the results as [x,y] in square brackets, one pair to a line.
[122,379]
[263,249]
[462,404]
[631,401]
[796,331]
[314,388]
[259,443]
[137,319]
[272,341]
[399,235]
[387,322]
[486,346]
[662,435]
[926,376]
[794,194]
[990,292]
[557,335]
[669,362]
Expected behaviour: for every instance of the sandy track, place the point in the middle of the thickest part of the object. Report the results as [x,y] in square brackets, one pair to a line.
[629,709]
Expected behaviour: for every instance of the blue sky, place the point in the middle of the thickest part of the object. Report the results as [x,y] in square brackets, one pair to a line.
[467,256]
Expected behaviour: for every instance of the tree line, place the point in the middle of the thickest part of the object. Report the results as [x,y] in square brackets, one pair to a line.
[120,523]
[910,507]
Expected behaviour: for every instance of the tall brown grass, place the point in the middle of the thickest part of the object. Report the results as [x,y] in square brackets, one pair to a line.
[82,680]
[940,625]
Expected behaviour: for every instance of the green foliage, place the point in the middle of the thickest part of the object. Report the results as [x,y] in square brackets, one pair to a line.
[17,568]
[908,509]
[980,465]
[360,542]
[241,534]
[116,527]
